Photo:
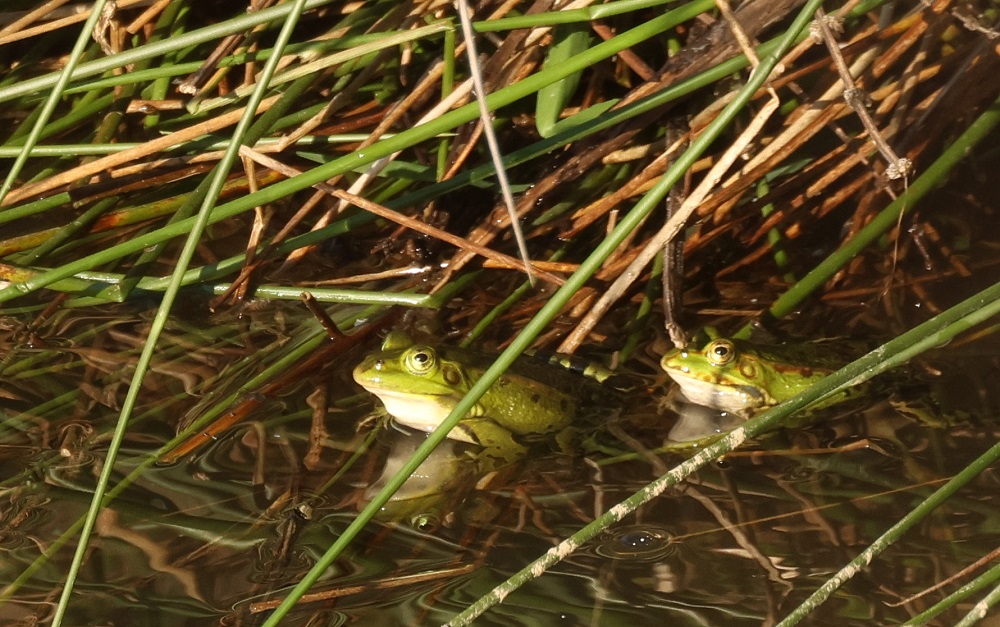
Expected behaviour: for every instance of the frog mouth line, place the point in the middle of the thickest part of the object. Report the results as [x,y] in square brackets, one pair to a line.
[732,398]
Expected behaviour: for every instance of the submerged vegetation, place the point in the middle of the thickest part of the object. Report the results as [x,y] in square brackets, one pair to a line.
[177,176]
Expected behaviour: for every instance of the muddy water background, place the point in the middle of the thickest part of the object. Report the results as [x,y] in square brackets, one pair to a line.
[196,542]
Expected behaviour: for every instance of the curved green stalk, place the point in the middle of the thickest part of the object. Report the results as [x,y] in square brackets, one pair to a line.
[551,308]
[447,87]
[184,259]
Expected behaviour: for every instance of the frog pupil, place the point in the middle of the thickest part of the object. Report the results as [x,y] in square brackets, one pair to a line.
[420,361]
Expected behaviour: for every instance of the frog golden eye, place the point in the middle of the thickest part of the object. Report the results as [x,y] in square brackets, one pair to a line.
[720,352]
[420,360]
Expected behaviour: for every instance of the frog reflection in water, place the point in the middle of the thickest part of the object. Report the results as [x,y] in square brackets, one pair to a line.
[431,493]
[420,385]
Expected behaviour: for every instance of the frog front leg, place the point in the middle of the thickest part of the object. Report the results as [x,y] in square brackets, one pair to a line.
[496,441]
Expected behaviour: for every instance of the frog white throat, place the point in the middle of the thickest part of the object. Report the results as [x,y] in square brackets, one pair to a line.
[734,399]
[423,412]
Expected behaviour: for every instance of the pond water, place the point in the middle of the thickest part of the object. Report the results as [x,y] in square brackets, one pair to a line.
[214,536]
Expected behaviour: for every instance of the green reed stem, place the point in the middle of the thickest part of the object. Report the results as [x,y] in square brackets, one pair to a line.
[237,24]
[896,352]
[170,24]
[349,162]
[312,68]
[67,232]
[551,308]
[78,150]
[586,14]
[167,71]
[97,286]
[82,40]
[917,514]
[163,313]
[92,104]
[888,217]
[990,577]
[981,609]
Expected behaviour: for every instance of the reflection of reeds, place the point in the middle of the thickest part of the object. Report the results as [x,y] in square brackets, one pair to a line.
[366,148]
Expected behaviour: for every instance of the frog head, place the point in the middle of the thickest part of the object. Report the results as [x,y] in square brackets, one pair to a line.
[724,374]
[417,385]
[742,377]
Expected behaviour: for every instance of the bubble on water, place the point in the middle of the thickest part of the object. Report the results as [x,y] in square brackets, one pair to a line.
[637,543]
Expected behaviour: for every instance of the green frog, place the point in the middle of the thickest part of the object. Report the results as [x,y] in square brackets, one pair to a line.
[743,378]
[420,384]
